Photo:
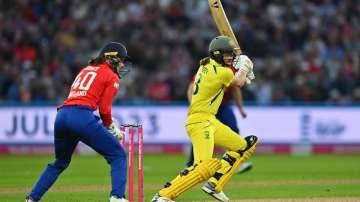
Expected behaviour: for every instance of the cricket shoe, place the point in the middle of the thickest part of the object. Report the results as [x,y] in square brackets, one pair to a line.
[244,167]
[158,198]
[209,188]
[116,199]
[29,199]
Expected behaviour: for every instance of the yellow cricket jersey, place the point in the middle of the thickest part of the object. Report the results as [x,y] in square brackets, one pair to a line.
[208,89]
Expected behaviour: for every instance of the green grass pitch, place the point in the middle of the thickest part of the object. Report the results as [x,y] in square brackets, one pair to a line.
[273,178]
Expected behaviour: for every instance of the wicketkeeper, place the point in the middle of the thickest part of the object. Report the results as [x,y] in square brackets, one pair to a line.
[93,88]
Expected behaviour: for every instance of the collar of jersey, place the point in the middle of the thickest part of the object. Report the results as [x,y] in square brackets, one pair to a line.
[104,64]
[213,62]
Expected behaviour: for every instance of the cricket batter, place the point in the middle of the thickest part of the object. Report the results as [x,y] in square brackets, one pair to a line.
[205,131]
[94,87]
[226,116]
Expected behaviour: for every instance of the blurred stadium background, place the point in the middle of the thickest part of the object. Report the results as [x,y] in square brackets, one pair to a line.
[304,51]
[305,98]
[306,57]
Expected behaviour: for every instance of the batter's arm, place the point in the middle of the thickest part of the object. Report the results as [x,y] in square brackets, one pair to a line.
[240,79]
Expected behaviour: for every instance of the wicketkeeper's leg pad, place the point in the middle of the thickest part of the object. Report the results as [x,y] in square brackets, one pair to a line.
[231,161]
[190,177]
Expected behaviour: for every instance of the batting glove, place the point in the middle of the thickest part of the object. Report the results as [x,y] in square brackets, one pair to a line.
[115,131]
[243,63]
[249,77]
[248,81]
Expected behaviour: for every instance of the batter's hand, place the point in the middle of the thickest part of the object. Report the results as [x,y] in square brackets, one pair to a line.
[248,81]
[249,77]
[243,63]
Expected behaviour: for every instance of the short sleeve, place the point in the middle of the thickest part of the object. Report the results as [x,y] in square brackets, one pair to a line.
[227,76]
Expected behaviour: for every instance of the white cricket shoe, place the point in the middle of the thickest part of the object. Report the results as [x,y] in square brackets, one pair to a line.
[116,199]
[209,188]
[244,167]
[28,199]
[158,198]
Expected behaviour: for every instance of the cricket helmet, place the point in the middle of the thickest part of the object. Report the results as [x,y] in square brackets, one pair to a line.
[114,49]
[116,52]
[220,45]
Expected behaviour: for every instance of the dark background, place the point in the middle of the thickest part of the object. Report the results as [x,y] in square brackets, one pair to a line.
[304,51]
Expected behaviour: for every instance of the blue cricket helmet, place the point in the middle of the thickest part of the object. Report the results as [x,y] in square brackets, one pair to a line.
[117,52]
[114,49]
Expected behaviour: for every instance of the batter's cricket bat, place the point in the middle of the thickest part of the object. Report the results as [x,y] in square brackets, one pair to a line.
[222,22]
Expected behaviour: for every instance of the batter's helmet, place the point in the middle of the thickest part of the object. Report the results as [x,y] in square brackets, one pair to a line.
[220,45]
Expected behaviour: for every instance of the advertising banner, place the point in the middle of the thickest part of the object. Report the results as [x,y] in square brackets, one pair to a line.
[165,124]
[293,125]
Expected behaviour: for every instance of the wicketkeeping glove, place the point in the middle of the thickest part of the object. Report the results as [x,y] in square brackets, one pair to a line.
[115,131]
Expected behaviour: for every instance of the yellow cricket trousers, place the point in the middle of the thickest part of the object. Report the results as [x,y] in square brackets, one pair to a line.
[205,131]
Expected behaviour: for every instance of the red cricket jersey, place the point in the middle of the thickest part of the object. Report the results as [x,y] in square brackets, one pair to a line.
[95,86]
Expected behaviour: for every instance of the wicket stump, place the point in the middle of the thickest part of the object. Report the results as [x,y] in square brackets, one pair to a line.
[131,146]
